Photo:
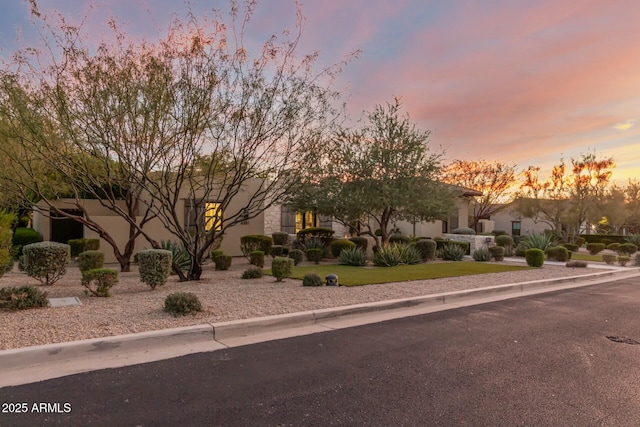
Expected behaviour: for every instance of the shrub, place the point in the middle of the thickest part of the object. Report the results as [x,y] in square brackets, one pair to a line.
[534,257]
[577,264]
[637,260]
[6,255]
[103,279]
[216,252]
[281,268]
[360,242]
[313,243]
[396,254]
[80,245]
[154,266]
[609,258]
[634,238]
[399,239]
[558,253]
[90,260]
[542,241]
[606,241]
[504,240]
[312,279]
[463,230]
[595,248]
[353,256]
[296,255]
[46,261]
[22,297]
[580,241]
[223,262]
[452,252]
[427,249]
[613,246]
[623,260]
[571,246]
[519,250]
[627,249]
[339,245]
[318,233]
[481,255]
[314,254]
[277,250]
[252,273]
[497,252]
[465,246]
[499,233]
[280,238]
[180,258]
[181,303]
[23,237]
[257,258]
[255,242]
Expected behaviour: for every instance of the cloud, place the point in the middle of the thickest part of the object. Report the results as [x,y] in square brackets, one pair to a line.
[625,126]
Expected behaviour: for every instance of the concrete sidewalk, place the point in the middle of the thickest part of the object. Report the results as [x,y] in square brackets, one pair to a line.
[32,364]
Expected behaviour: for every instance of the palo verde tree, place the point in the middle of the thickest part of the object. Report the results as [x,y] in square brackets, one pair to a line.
[493,179]
[378,174]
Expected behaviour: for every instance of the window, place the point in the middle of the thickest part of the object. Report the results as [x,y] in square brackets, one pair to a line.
[202,214]
[445,226]
[515,228]
[305,220]
[213,216]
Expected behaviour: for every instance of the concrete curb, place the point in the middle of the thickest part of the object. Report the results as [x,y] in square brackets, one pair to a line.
[216,332]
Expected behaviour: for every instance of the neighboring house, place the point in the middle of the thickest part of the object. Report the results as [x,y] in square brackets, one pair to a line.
[512,222]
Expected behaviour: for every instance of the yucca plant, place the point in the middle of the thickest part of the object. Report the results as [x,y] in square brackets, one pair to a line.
[352,256]
[481,254]
[450,252]
[181,258]
[395,255]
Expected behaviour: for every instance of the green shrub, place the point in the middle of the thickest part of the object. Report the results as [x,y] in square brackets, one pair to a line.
[277,250]
[256,258]
[321,233]
[534,257]
[22,298]
[90,260]
[6,255]
[353,256]
[499,233]
[154,266]
[256,242]
[608,238]
[637,260]
[465,246]
[314,254]
[399,239]
[542,241]
[580,241]
[181,303]
[280,238]
[497,252]
[452,252]
[99,281]
[558,253]
[180,258]
[595,248]
[223,262]
[519,250]
[627,249]
[46,261]
[613,246]
[427,249]
[252,273]
[463,230]
[312,279]
[577,264]
[360,242]
[216,252]
[571,246]
[281,268]
[481,255]
[313,243]
[606,241]
[609,258]
[623,260]
[396,254]
[296,255]
[339,245]
[504,240]
[80,245]
[23,237]
[634,238]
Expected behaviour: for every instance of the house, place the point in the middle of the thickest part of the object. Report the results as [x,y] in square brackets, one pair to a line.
[507,218]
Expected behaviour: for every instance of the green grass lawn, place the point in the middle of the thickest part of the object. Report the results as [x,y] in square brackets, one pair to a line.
[356,276]
[587,257]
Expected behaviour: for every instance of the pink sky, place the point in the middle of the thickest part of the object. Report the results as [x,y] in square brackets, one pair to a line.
[525,82]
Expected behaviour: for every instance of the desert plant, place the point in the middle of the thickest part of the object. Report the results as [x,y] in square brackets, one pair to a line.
[504,240]
[580,241]
[296,255]
[627,249]
[80,245]
[223,262]
[255,242]
[571,246]
[90,260]
[216,252]
[256,258]
[534,257]
[609,258]
[154,266]
[606,241]
[497,252]
[24,236]
[22,297]
[399,239]
[280,238]
[577,263]
[542,241]
[360,242]
[427,249]
[277,250]
[314,254]
[252,273]
[322,234]
[312,279]
[396,254]
[313,243]
[182,303]
[595,248]
[558,253]
[613,246]
[339,245]
[181,260]
[463,230]
[623,260]
[6,251]
[452,252]
[481,255]
[99,281]
[46,261]
[637,260]
[281,268]
[353,256]
[634,238]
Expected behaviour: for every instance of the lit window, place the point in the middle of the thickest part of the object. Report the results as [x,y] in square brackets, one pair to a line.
[305,220]
[213,216]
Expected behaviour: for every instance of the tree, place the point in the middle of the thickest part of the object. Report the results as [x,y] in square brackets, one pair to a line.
[494,180]
[381,173]
[632,205]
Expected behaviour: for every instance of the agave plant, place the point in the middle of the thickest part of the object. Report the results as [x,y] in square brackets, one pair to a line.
[181,258]
[540,241]
[352,256]
[634,238]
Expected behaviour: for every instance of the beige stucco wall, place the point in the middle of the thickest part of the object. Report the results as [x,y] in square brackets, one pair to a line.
[434,229]
[502,221]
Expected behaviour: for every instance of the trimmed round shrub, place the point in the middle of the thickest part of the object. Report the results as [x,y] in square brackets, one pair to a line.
[623,260]
[90,260]
[427,249]
[99,281]
[323,234]
[609,258]
[606,241]
[613,246]
[481,255]
[23,297]
[558,253]
[399,239]
[452,252]
[504,240]
[252,273]
[256,242]
[463,230]
[80,245]
[277,250]
[580,241]
[154,266]
[23,236]
[257,258]
[314,254]
[571,246]
[353,256]
[280,238]
[595,248]
[637,260]
[46,261]
[627,249]
[216,252]
[361,242]
[182,303]
[312,279]
[499,233]
[223,262]
[497,253]
[296,255]
[534,257]
[339,245]
[577,263]
[281,268]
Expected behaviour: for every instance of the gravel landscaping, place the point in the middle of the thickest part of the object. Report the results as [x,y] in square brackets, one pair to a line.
[134,307]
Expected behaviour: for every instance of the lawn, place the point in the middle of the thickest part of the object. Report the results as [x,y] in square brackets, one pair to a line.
[587,257]
[356,276]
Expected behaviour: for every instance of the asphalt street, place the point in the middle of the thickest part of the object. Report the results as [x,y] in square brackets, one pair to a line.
[541,360]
